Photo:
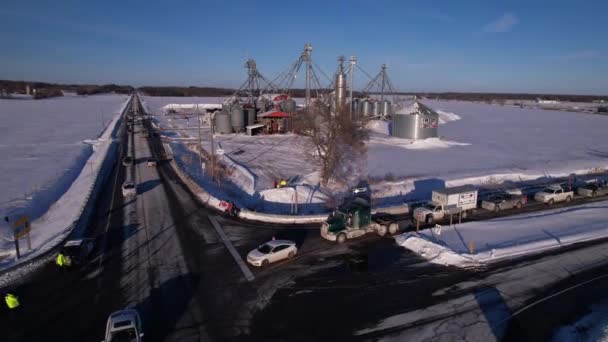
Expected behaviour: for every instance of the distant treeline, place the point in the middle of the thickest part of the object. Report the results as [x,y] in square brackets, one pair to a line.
[489,97]
[53,89]
[44,90]
[185,91]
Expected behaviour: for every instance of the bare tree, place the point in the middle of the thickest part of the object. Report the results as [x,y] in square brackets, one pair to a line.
[336,139]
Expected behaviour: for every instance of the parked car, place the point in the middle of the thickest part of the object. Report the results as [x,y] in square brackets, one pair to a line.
[502,201]
[593,189]
[129,189]
[552,194]
[124,325]
[272,251]
[151,162]
[128,160]
[77,251]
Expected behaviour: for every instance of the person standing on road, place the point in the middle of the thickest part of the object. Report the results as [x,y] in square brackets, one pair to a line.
[12,302]
[60,260]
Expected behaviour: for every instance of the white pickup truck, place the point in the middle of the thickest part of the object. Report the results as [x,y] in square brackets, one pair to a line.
[459,200]
[552,194]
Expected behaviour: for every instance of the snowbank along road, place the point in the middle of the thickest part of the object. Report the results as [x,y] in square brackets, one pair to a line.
[160,253]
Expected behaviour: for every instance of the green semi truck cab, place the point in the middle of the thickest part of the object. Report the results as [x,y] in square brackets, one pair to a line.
[354,219]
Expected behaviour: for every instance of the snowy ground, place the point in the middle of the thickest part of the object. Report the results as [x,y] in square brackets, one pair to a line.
[591,327]
[508,237]
[46,158]
[41,143]
[479,144]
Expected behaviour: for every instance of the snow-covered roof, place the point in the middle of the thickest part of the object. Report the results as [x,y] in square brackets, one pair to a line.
[192,106]
[417,108]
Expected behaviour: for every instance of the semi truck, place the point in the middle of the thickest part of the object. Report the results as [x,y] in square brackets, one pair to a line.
[354,219]
[444,202]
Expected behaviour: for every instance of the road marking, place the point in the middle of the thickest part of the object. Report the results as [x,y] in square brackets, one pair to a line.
[237,257]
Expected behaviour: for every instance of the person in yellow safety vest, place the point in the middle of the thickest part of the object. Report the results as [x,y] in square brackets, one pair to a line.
[11,300]
[283,183]
[60,261]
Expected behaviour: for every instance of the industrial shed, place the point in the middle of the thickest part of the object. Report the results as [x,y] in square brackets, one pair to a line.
[416,121]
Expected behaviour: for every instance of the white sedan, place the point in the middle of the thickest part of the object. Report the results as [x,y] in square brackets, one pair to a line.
[129,189]
[272,251]
[124,325]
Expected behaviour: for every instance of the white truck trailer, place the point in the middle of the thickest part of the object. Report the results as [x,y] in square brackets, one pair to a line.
[444,202]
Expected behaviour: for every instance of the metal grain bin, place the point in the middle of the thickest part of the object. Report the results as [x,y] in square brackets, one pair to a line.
[237,118]
[385,108]
[222,123]
[366,108]
[375,108]
[288,106]
[250,116]
[415,126]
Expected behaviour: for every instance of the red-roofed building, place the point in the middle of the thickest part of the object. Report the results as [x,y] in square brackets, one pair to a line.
[276,121]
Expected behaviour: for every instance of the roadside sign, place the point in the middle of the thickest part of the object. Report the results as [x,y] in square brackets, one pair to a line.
[437,230]
[21,227]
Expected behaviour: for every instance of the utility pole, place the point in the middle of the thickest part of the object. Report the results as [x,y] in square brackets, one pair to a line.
[211,124]
[200,141]
[353,62]
[307,58]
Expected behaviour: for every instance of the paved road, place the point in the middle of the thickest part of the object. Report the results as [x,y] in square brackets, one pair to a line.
[161,254]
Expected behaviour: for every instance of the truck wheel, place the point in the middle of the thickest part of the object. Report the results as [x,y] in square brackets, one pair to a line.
[381,230]
[465,214]
[429,219]
[341,238]
[518,205]
[551,201]
[393,228]
[568,199]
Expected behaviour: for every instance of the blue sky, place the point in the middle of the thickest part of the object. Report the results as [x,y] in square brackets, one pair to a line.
[555,46]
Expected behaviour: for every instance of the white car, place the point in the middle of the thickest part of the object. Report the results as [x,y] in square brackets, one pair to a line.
[272,251]
[124,325]
[151,162]
[128,189]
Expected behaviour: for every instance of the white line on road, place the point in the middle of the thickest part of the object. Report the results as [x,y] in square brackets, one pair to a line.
[231,249]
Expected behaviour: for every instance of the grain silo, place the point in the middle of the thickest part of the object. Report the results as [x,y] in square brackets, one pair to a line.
[251,114]
[416,121]
[237,118]
[222,122]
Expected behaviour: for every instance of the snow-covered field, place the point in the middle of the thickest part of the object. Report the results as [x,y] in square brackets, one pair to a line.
[44,157]
[479,143]
[508,237]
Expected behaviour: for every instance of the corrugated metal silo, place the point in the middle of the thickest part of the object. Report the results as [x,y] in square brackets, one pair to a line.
[250,116]
[385,108]
[222,123]
[420,123]
[375,108]
[237,118]
[366,108]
